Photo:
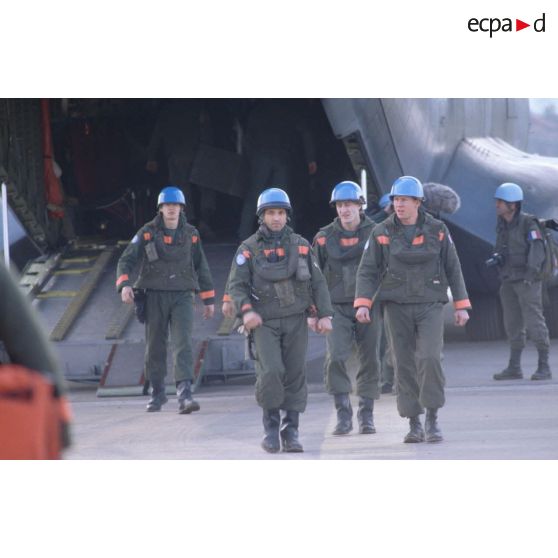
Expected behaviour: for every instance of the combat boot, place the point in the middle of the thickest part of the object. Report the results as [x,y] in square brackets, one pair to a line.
[513,371]
[271,423]
[289,433]
[387,387]
[416,432]
[365,416]
[543,369]
[344,414]
[433,432]
[158,397]
[186,403]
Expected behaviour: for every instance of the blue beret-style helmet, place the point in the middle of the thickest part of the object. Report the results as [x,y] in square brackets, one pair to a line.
[347,191]
[407,186]
[509,192]
[171,194]
[385,200]
[273,198]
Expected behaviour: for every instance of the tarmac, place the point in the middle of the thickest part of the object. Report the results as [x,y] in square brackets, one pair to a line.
[483,419]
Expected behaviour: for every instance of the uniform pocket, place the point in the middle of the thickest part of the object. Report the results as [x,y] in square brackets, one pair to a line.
[285,292]
[349,280]
[415,283]
[302,271]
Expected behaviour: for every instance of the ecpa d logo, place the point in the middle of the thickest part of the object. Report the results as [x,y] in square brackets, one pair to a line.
[493,25]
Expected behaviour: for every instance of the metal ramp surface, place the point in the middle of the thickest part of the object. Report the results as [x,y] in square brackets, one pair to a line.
[98,339]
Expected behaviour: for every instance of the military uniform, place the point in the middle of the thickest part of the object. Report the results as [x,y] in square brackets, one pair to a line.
[173,268]
[338,252]
[277,277]
[410,276]
[520,244]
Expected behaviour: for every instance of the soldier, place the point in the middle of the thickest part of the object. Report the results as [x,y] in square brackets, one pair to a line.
[520,256]
[173,268]
[274,281]
[408,264]
[338,248]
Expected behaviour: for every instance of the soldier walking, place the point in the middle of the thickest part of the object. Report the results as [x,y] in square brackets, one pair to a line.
[338,248]
[274,281]
[408,264]
[173,268]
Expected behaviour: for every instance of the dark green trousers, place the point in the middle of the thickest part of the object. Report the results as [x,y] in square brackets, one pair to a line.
[174,311]
[339,344]
[281,346]
[523,313]
[387,372]
[416,334]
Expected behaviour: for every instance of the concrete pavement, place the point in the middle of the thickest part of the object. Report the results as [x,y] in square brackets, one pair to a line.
[482,419]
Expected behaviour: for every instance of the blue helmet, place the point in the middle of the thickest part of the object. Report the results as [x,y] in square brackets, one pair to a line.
[171,194]
[407,186]
[273,198]
[347,191]
[385,200]
[509,192]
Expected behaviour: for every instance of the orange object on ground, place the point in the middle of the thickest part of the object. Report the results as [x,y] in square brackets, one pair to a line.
[32,415]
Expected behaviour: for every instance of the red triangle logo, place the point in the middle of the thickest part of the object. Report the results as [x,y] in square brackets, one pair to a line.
[519,25]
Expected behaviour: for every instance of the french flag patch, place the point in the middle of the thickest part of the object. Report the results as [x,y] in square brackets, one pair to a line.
[535,235]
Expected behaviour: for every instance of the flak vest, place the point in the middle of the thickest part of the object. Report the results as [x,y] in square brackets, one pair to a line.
[414,270]
[340,269]
[511,242]
[282,288]
[168,264]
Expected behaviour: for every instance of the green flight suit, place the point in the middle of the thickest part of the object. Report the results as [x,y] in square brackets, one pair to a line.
[338,253]
[173,268]
[521,245]
[411,277]
[276,275]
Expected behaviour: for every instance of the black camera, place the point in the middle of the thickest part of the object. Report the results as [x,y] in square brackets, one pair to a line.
[495,260]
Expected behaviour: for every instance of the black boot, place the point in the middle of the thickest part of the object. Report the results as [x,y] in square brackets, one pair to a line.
[289,433]
[158,397]
[387,387]
[513,371]
[416,432]
[365,416]
[186,403]
[433,433]
[543,369]
[344,414]
[271,422]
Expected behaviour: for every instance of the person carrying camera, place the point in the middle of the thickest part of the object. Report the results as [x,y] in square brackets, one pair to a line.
[519,257]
